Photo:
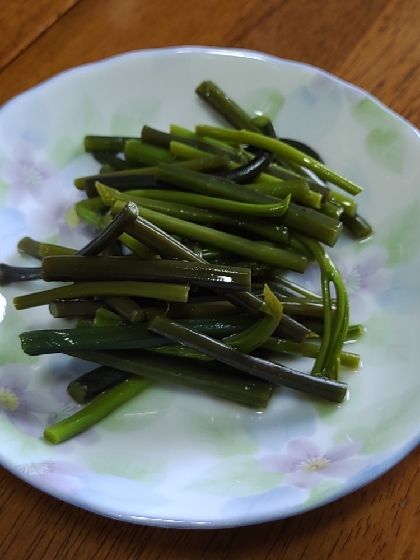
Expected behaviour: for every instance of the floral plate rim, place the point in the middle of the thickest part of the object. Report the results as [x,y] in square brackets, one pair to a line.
[397,454]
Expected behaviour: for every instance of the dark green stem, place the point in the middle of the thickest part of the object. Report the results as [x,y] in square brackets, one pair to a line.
[166,292]
[146,154]
[214,380]
[283,150]
[275,373]
[210,93]
[11,274]
[94,382]
[29,247]
[233,243]
[357,226]
[82,269]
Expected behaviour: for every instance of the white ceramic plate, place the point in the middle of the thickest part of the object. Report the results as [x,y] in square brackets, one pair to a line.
[181,459]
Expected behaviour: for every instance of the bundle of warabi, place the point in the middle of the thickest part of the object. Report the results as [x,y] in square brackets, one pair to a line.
[186,281]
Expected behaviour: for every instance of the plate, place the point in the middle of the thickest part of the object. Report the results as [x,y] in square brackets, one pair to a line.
[177,458]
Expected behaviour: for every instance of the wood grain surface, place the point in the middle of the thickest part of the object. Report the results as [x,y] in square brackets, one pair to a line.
[372,44]
[21,24]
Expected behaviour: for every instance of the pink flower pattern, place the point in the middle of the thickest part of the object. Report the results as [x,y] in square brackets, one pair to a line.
[62,476]
[364,274]
[365,277]
[305,466]
[28,176]
[26,409]
[37,189]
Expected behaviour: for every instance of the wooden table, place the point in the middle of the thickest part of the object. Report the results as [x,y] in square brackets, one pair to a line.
[372,44]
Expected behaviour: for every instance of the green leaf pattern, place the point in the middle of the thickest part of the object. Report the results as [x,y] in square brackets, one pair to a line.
[384,425]
[233,478]
[384,142]
[400,234]
[223,434]
[267,101]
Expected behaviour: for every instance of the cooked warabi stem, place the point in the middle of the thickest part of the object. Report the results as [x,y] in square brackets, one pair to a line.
[158,241]
[111,232]
[298,189]
[211,185]
[146,154]
[106,168]
[156,137]
[138,249]
[114,161]
[280,290]
[209,92]
[210,202]
[347,203]
[77,308]
[310,350]
[358,227]
[354,332]
[52,250]
[183,152]
[219,326]
[262,159]
[161,243]
[308,221]
[335,325]
[30,247]
[288,327]
[248,339]
[94,382]
[126,308]
[293,286]
[196,309]
[332,210]
[173,230]
[96,410]
[156,290]
[283,150]
[79,268]
[275,373]
[233,243]
[130,176]
[235,152]
[85,214]
[101,221]
[49,341]
[215,380]
[10,274]
[304,148]
[93,203]
[314,324]
[157,200]
[111,334]
[307,308]
[280,172]
[123,182]
[115,249]
[251,338]
[106,318]
[95,143]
